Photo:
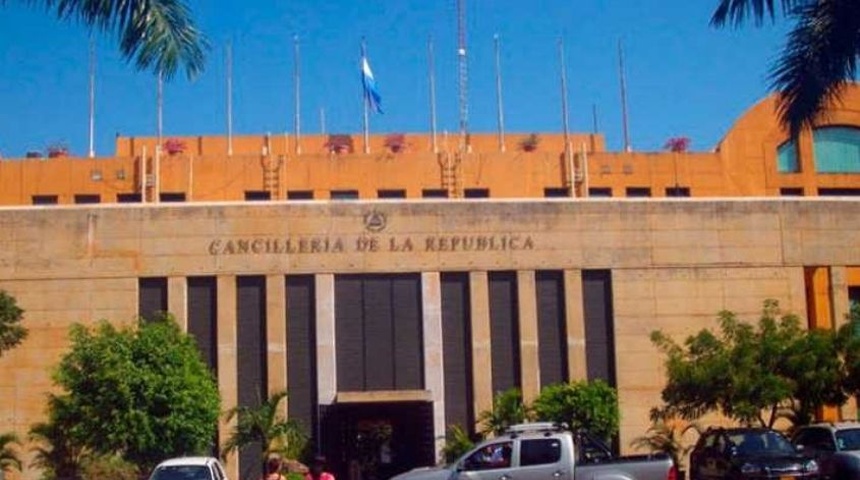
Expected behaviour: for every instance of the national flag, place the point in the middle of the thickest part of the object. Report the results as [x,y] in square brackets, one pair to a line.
[371,94]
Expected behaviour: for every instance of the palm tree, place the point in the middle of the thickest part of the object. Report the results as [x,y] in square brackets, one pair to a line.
[819,57]
[508,409]
[266,425]
[158,35]
[8,458]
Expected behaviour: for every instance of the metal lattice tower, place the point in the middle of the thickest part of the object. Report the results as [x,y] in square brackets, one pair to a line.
[462,74]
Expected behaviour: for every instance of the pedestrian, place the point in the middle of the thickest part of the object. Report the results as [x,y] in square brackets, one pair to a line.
[273,469]
[317,470]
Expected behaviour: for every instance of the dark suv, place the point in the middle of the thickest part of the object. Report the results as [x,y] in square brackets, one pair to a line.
[836,447]
[755,453]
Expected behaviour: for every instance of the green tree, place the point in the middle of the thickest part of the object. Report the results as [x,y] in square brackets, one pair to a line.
[753,374]
[57,454]
[583,405]
[667,436]
[8,457]
[819,57]
[11,331]
[157,35]
[265,425]
[508,409]
[142,393]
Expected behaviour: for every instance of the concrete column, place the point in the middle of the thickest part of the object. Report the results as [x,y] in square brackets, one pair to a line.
[227,362]
[841,307]
[326,349]
[839,295]
[434,366]
[482,358]
[575,317]
[177,300]
[529,353]
[276,335]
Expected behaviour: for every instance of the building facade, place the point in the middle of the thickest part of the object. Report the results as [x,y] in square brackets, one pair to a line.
[448,277]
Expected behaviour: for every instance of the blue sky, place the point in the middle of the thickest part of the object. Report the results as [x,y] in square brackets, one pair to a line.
[684,78]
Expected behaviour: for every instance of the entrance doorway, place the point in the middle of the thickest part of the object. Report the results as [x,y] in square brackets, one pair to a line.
[375,441]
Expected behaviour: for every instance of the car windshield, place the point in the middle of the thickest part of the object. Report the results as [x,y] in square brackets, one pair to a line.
[761,443]
[181,472]
[848,439]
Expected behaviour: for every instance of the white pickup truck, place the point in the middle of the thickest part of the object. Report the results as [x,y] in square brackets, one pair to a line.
[541,451]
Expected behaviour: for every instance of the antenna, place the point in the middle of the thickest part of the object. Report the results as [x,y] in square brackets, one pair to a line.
[92,119]
[463,74]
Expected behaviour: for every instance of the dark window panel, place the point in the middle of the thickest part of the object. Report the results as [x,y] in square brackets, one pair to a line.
[504,331]
[556,192]
[600,192]
[391,194]
[434,193]
[476,193]
[251,359]
[85,198]
[301,351]
[839,192]
[678,191]
[257,195]
[203,317]
[45,200]
[457,350]
[172,196]
[300,195]
[791,192]
[599,325]
[638,192]
[152,296]
[128,198]
[344,194]
[552,327]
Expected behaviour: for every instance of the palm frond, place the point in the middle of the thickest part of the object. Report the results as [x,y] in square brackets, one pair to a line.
[8,457]
[818,60]
[158,35]
[737,12]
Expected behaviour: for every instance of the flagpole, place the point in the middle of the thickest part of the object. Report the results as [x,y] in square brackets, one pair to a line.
[159,108]
[565,127]
[365,102]
[297,85]
[92,119]
[229,98]
[499,106]
[624,121]
[432,75]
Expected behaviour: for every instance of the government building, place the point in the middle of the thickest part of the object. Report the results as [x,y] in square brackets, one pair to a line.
[392,288]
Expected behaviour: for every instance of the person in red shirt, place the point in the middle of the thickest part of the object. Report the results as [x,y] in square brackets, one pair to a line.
[317,470]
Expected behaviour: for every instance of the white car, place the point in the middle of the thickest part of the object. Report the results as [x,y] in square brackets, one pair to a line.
[189,468]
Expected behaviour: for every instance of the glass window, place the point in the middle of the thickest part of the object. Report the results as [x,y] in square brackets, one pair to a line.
[786,158]
[172,196]
[848,439]
[391,193]
[128,197]
[638,191]
[837,149]
[87,198]
[540,452]
[434,193]
[494,455]
[791,191]
[182,472]
[476,193]
[44,199]
[257,195]
[556,192]
[344,194]
[300,195]
[600,192]
[678,192]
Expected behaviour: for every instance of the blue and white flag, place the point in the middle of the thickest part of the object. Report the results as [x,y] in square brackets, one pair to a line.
[371,94]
